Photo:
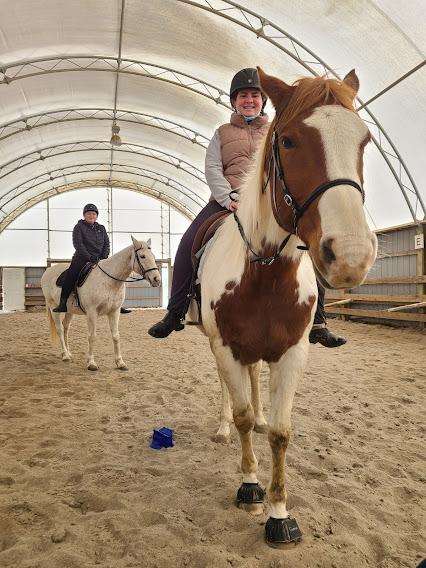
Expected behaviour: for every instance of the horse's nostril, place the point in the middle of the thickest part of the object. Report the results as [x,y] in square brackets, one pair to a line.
[327,251]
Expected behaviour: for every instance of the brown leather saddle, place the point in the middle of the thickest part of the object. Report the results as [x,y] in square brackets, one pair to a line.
[81,278]
[202,237]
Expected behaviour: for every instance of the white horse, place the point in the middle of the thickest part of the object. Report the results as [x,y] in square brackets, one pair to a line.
[102,294]
[258,285]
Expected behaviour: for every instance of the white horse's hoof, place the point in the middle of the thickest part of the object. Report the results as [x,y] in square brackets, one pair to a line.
[261,428]
[66,357]
[221,438]
[122,367]
[92,367]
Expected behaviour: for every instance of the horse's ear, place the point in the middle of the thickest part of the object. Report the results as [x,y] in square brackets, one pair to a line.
[148,242]
[278,91]
[134,241]
[352,81]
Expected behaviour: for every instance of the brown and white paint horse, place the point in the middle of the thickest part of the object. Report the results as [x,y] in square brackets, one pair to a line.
[305,190]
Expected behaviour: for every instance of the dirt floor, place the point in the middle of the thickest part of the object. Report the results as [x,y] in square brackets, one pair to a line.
[80,486]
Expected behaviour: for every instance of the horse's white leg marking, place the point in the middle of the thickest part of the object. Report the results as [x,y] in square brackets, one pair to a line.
[236,378]
[91,326]
[285,376]
[66,323]
[260,424]
[113,318]
[60,331]
[223,435]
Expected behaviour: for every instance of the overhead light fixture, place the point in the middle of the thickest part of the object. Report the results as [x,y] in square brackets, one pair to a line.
[115,138]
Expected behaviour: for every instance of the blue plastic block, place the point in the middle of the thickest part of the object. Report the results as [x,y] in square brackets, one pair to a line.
[162,438]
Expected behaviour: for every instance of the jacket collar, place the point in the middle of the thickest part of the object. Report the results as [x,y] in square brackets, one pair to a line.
[238,120]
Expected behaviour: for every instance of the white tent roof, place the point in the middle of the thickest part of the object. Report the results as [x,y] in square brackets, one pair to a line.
[162,68]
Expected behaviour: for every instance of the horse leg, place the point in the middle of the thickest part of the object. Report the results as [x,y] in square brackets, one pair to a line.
[223,435]
[250,495]
[113,318]
[281,528]
[66,355]
[260,424]
[66,323]
[91,326]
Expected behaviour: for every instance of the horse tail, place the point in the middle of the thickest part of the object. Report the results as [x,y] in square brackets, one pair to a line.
[53,333]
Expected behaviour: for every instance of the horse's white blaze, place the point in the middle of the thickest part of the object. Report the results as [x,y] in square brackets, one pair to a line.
[342,133]
[342,216]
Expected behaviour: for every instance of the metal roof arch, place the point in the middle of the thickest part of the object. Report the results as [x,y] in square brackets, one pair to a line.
[105,182]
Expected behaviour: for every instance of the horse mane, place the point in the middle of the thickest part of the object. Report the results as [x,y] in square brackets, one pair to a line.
[311,92]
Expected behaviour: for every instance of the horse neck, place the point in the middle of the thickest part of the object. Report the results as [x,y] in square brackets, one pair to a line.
[256,215]
[119,264]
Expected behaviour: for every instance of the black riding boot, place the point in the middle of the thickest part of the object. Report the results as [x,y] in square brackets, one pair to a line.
[171,322]
[62,303]
[324,336]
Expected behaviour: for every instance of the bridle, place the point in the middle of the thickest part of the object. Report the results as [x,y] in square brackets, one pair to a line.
[297,210]
[141,271]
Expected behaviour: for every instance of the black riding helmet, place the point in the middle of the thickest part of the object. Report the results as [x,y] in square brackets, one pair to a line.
[90,207]
[246,79]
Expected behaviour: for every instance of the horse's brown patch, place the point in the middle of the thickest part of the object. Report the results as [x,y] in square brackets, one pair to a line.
[260,318]
[279,442]
[230,285]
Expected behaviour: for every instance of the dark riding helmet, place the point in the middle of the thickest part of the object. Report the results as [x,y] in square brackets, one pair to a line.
[245,79]
[90,207]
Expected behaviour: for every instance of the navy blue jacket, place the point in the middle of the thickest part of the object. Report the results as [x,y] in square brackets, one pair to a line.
[90,241]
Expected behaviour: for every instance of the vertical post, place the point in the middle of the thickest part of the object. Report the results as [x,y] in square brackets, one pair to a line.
[170,241]
[112,223]
[48,230]
[162,229]
[421,265]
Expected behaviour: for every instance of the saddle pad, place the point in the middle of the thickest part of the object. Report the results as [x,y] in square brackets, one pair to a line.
[82,276]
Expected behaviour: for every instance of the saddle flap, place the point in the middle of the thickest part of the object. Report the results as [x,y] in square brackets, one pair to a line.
[205,233]
[82,276]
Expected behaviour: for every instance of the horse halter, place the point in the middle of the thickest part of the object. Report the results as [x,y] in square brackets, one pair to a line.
[142,270]
[298,210]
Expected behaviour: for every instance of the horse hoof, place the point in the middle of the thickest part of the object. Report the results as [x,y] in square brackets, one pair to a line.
[221,439]
[279,533]
[92,367]
[261,428]
[250,497]
[123,368]
[66,358]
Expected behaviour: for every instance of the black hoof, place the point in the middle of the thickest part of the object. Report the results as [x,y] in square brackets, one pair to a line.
[250,493]
[280,532]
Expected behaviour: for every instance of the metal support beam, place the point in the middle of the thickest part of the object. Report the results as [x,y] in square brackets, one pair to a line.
[175,203]
[67,115]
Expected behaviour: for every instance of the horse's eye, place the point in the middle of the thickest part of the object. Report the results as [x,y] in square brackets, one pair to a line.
[142,256]
[288,143]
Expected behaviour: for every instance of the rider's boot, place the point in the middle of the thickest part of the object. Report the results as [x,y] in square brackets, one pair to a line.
[62,303]
[324,336]
[172,321]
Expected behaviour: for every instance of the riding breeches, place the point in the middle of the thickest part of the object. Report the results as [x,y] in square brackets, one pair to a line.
[182,270]
[74,269]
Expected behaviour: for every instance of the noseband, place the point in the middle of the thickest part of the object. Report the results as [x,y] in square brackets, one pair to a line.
[297,210]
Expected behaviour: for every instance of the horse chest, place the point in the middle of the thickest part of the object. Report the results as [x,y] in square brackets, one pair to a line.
[262,317]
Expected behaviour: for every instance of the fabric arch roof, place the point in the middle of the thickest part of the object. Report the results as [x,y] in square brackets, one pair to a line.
[162,70]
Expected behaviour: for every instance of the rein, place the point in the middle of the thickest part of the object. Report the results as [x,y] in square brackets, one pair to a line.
[141,268]
[298,210]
